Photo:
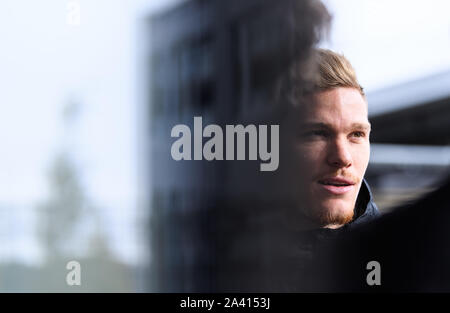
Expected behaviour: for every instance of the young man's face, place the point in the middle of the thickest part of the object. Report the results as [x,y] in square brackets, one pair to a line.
[333,151]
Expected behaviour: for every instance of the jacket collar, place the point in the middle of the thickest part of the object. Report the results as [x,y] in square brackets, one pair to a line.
[365,208]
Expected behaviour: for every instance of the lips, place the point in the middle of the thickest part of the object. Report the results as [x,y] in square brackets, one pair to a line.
[337,185]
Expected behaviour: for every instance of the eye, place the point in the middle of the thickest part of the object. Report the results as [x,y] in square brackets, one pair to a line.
[358,134]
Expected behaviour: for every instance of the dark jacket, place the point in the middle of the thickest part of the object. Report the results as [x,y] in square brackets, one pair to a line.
[260,254]
[365,209]
[307,264]
[411,245]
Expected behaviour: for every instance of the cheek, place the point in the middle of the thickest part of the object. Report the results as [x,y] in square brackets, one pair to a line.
[311,156]
[361,157]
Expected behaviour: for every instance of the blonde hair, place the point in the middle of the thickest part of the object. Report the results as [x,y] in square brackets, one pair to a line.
[334,70]
[322,70]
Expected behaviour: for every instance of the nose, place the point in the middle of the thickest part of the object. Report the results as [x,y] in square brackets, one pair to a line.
[339,155]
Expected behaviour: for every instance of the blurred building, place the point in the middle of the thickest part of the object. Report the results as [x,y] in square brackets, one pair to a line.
[410,138]
[217,60]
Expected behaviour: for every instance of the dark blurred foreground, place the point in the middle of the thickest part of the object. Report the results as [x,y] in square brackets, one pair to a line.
[214,224]
[411,245]
[225,226]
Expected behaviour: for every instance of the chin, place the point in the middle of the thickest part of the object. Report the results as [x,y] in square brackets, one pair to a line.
[335,212]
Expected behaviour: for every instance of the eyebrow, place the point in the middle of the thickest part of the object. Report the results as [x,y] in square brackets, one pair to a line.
[309,125]
[363,126]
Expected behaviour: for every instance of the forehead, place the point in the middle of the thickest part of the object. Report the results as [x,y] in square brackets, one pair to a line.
[336,105]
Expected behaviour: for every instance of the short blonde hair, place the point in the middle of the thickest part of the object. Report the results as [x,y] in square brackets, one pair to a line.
[334,70]
[322,70]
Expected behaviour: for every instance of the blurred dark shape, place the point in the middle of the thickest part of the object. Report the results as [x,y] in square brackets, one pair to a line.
[410,138]
[68,204]
[61,213]
[220,226]
[415,125]
[411,244]
[418,111]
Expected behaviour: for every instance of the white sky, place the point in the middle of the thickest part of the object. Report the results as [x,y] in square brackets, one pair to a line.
[44,62]
[389,42]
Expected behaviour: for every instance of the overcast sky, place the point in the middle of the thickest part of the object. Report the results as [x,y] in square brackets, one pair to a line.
[391,41]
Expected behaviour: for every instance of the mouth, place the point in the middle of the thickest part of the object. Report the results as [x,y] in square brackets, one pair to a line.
[337,185]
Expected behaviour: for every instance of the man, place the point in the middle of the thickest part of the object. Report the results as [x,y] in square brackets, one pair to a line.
[330,134]
[406,250]
[324,154]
